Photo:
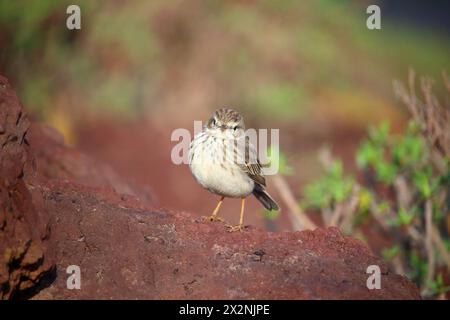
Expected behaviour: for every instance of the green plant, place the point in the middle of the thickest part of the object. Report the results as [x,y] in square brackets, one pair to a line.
[437,286]
[406,191]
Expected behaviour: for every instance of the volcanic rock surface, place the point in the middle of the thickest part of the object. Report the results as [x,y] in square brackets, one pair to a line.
[61,208]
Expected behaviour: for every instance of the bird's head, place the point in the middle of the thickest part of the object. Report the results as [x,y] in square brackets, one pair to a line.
[226,123]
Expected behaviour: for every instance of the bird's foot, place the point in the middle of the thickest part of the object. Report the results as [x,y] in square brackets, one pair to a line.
[212,218]
[239,227]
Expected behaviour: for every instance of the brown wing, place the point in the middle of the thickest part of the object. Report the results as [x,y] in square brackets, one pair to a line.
[252,166]
[254,172]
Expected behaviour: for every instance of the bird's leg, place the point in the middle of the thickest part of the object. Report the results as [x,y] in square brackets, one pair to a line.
[240,226]
[214,216]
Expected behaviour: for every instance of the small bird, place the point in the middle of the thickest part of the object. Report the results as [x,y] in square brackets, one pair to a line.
[224,162]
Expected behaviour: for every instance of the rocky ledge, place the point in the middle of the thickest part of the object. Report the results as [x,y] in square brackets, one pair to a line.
[60,208]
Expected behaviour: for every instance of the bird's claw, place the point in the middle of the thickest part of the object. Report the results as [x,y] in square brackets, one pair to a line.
[212,218]
[238,227]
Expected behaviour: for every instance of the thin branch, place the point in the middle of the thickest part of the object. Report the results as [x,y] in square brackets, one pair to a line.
[429,239]
[350,211]
[326,215]
[440,246]
[404,196]
[398,265]
[299,219]
[336,215]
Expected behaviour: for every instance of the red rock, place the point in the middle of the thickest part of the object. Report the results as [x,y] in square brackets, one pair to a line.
[61,208]
[26,255]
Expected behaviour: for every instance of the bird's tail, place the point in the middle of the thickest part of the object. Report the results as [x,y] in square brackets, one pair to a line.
[265,198]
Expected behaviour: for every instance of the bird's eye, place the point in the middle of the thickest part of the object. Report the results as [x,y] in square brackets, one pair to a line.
[212,122]
[235,128]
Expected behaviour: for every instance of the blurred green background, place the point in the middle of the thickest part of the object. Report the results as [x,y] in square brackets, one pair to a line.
[139,69]
[293,61]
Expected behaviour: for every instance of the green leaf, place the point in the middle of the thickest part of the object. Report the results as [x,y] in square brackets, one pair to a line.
[383,207]
[368,154]
[390,253]
[317,196]
[365,199]
[447,244]
[385,172]
[437,285]
[404,217]
[422,183]
[408,151]
[379,134]
[332,187]
[419,267]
